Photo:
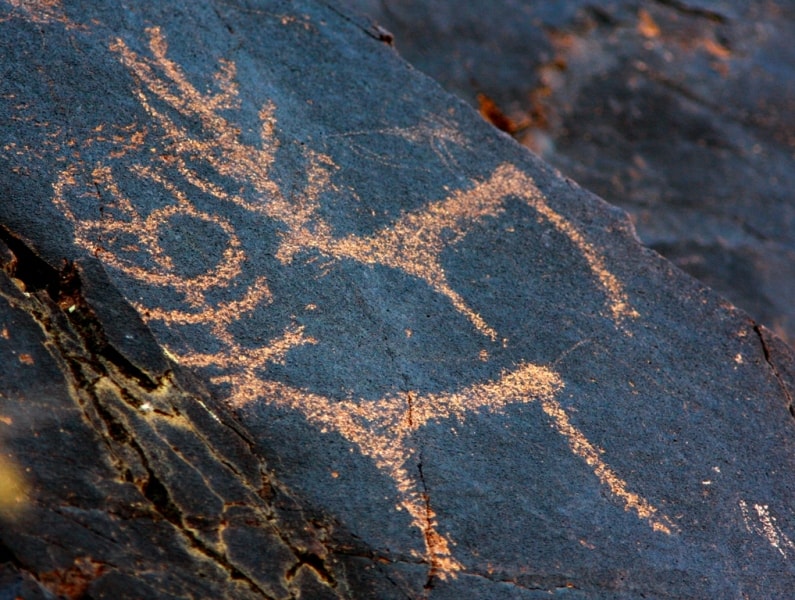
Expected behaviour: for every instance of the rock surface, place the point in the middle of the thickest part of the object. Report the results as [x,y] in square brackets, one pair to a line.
[280,318]
[681,112]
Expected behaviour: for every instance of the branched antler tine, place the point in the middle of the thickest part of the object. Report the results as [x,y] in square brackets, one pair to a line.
[228,97]
[193,100]
[235,158]
[219,141]
[267,117]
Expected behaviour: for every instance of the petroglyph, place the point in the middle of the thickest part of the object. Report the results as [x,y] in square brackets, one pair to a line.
[128,238]
[40,11]
[760,521]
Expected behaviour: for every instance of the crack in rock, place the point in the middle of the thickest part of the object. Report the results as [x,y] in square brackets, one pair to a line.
[767,339]
[117,398]
[695,11]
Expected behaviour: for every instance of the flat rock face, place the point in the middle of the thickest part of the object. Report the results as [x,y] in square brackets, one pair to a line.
[680,112]
[284,319]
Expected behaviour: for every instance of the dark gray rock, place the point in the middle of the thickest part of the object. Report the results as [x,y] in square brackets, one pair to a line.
[680,112]
[281,318]
[119,482]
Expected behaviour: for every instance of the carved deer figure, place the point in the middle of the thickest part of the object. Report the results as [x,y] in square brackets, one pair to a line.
[413,244]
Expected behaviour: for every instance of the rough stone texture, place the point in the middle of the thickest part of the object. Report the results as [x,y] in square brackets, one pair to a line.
[679,111]
[133,486]
[280,318]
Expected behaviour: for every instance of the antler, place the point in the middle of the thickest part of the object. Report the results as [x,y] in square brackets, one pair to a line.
[221,146]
